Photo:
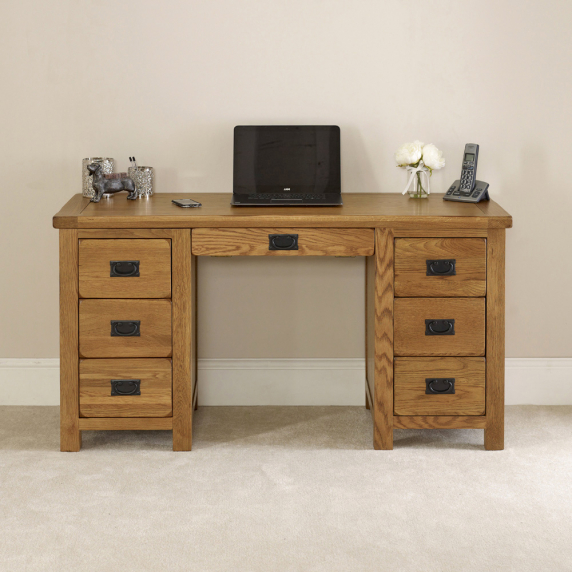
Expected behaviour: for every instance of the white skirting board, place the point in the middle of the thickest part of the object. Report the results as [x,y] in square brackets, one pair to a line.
[534,381]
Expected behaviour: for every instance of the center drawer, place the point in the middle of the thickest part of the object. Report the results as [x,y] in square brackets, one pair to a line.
[439,326]
[124,328]
[125,388]
[282,242]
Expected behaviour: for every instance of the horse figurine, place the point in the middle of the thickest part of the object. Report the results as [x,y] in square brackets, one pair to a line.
[102,185]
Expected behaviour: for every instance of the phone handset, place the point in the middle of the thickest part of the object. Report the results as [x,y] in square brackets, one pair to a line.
[467,189]
[469,170]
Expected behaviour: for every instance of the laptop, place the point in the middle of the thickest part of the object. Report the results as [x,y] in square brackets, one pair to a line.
[286,165]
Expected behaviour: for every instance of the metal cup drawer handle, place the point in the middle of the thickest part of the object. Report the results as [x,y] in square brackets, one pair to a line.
[442,267]
[123,268]
[439,327]
[125,387]
[439,385]
[125,328]
[282,242]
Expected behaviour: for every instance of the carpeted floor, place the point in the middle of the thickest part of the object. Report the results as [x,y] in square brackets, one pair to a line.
[286,489]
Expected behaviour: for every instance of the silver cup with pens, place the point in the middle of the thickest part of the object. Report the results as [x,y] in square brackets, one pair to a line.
[143,177]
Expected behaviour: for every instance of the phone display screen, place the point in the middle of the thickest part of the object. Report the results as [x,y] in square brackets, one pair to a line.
[469,156]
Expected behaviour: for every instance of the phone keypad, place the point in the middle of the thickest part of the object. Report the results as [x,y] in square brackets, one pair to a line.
[467,178]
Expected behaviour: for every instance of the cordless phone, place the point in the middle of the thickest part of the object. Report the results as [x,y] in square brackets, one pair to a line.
[467,189]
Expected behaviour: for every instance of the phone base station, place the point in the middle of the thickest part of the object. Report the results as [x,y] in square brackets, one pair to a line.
[479,193]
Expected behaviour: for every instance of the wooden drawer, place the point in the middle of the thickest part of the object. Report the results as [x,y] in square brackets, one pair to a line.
[99,397]
[257,242]
[149,277]
[412,376]
[419,261]
[415,322]
[95,328]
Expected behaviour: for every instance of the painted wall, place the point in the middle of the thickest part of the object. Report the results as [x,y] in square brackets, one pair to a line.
[168,81]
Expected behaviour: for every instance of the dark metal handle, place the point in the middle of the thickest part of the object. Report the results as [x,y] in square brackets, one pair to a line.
[441,267]
[125,328]
[123,268]
[439,327]
[125,387]
[282,242]
[436,385]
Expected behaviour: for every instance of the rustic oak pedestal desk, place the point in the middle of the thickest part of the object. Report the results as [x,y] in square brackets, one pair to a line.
[434,306]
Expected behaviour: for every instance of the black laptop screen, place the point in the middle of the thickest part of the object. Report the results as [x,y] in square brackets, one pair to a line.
[278,159]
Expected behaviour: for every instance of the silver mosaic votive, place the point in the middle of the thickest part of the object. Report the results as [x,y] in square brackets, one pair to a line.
[107,165]
[144,178]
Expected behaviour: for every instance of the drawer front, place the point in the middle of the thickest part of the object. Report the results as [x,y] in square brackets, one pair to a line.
[125,268]
[282,242]
[439,386]
[439,326]
[124,328]
[440,266]
[125,388]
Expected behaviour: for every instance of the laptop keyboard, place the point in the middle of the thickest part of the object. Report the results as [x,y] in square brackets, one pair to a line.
[287,196]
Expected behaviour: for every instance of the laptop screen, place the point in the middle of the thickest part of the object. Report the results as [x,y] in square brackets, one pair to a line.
[278,159]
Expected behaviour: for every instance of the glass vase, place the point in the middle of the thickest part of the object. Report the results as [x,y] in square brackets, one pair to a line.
[417,189]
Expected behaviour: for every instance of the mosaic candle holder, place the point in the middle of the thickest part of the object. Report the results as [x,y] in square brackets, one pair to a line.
[144,179]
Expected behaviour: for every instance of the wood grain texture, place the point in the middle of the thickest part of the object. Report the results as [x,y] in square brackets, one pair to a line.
[70,434]
[95,399]
[409,386]
[125,233]
[440,233]
[494,432]
[154,256]
[360,210]
[410,316]
[411,255]
[438,422]
[370,264]
[126,424]
[184,348]
[491,208]
[383,341]
[68,215]
[95,340]
[254,242]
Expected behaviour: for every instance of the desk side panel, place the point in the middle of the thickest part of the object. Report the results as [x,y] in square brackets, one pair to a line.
[494,432]
[70,435]
[184,354]
[383,339]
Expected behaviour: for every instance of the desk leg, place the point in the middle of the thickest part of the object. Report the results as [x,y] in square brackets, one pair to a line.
[184,354]
[379,351]
[70,435]
[494,431]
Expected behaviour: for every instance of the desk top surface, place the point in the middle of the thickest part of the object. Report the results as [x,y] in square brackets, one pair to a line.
[390,210]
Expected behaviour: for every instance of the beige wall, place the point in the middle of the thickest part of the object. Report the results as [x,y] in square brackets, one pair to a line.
[167,81]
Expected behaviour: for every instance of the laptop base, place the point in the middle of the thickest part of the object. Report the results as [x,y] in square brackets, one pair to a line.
[262,201]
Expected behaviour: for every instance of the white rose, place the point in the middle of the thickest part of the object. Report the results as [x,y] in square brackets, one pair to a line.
[432,157]
[409,153]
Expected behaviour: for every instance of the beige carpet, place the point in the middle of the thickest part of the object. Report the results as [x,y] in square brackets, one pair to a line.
[287,489]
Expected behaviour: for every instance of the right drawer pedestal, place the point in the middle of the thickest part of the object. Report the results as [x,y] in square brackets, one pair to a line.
[440,327]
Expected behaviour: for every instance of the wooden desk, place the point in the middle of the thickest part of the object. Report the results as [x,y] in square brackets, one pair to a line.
[434,306]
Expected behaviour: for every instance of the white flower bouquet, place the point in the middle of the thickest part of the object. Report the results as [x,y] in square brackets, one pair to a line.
[419,160]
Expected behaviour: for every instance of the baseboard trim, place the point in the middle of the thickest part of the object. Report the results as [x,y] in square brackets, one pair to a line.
[309,381]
